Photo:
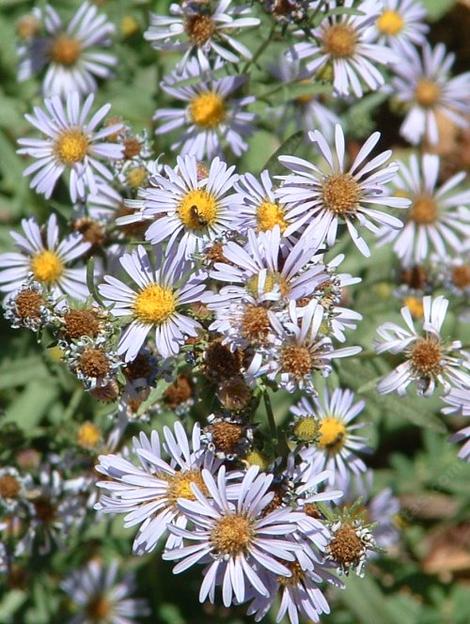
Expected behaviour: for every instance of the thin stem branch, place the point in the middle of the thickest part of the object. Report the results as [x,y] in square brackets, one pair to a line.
[270,414]
[263,45]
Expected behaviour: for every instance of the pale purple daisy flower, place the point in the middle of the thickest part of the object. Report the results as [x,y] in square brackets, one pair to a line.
[43,257]
[458,401]
[401,24]
[70,56]
[156,303]
[197,28]
[98,595]
[422,82]
[300,349]
[71,145]
[436,219]
[332,194]
[328,437]
[213,120]
[148,491]
[233,536]
[260,209]
[188,207]
[429,361]
[345,40]
[454,274]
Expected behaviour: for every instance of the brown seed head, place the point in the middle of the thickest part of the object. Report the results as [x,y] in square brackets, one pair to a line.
[28,304]
[78,323]
[93,362]
[346,548]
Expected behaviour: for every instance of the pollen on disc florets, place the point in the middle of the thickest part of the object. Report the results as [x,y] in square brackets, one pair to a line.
[341,194]
[154,304]
[71,146]
[198,209]
[78,323]
[180,484]
[65,50]
[305,429]
[268,215]
[415,306]
[207,109]
[255,324]
[340,41]
[47,267]
[332,434]
[200,28]
[351,540]
[427,93]
[423,210]
[231,535]
[390,23]
[426,356]
[296,360]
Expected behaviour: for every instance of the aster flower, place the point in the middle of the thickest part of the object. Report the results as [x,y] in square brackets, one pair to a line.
[328,436]
[345,42]
[228,437]
[71,57]
[429,361]
[232,536]
[300,349]
[332,194]
[92,361]
[148,492]
[13,488]
[156,304]
[44,259]
[351,544]
[212,120]
[98,596]
[455,274]
[29,306]
[422,82]
[436,219]
[70,145]
[401,24]
[197,28]
[186,208]
[458,401]
[260,208]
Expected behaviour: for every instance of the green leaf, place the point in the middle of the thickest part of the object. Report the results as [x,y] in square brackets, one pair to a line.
[31,405]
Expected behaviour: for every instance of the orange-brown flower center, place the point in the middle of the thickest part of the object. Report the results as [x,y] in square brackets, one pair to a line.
[340,41]
[232,534]
[341,194]
[296,360]
[93,362]
[426,355]
[424,210]
[200,28]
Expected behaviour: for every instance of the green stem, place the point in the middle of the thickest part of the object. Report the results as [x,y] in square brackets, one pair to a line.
[270,414]
[263,45]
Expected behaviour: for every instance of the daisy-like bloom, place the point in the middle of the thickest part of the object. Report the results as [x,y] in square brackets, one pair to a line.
[29,307]
[44,259]
[187,207]
[401,24]
[422,82]
[228,437]
[13,488]
[212,120]
[332,194]
[92,361]
[345,42]
[148,492]
[70,56]
[261,210]
[327,434]
[429,361]
[70,145]
[98,596]
[458,402]
[455,274]
[156,303]
[300,349]
[199,28]
[234,536]
[351,544]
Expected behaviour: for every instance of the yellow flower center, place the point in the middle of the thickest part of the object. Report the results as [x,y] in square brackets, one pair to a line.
[272,280]
[128,26]
[65,50]
[232,534]
[296,360]
[198,209]
[47,266]
[136,177]
[71,146]
[179,485]
[340,41]
[207,110]
[423,210]
[268,215]
[306,429]
[297,574]
[415,306]
[390,23]
[427,93]
[88,435]
[154,304]
[255,458]
[332,434]
[341,194]
[255,324]
[425,355]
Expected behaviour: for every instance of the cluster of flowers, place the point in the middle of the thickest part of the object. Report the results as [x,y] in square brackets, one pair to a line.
[228,291]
